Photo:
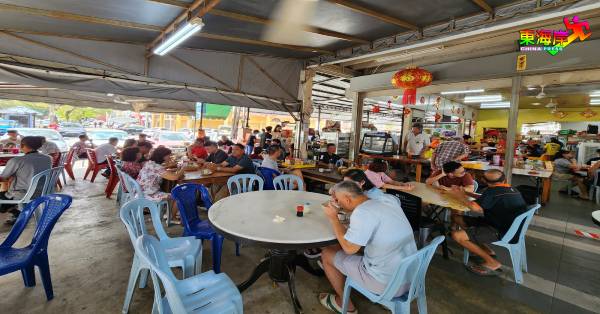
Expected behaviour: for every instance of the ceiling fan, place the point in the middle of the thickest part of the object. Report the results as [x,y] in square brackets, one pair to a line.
[541,94]
[288,22]
[551,104]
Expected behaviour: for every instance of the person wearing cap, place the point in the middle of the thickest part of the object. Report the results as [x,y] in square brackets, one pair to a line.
[13,139]
[20,170]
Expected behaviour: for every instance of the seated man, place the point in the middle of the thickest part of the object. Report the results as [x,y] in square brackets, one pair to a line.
[452,174]
[565,168]
[500,205]
[51,149]
[270,161]
[238,163]
[215,155]
[79,148]
[12,140]
[20,170]
[104,150]
[196,150]
[329,156]
[381,228]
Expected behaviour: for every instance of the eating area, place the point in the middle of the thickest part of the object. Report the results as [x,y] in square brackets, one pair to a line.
[414,171]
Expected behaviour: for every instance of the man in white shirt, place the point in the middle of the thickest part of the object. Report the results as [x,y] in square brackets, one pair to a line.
[49,147]
[13,139]
[270,161]
[106,149]
[380,227]
[416,142]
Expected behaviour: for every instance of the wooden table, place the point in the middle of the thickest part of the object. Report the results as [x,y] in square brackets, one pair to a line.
[540,175]
[403,160]
[253,223]
[332,176]
[214,178]
[434,196]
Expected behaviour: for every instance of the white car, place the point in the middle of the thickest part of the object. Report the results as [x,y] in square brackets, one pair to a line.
[101,136]
[49,134]
[176,141]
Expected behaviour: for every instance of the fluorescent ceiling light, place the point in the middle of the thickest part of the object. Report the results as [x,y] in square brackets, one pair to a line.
[502,104]
[483,98]
[595,93]
[595,101]
[178,36]
[470,91]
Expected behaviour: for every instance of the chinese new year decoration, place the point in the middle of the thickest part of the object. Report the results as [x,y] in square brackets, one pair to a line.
[376,109]
[406,111]
[410,79]
[438,117]
[588,113]
[422,100]
[389,104]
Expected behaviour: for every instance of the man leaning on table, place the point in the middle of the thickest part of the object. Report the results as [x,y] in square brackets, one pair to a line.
[500,204]
[452,174]
[381,228]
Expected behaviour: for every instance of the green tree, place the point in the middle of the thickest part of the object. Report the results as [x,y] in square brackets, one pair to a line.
[70,113]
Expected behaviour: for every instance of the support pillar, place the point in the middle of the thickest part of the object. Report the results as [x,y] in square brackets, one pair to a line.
[357,116]
[509,150]
[306,111]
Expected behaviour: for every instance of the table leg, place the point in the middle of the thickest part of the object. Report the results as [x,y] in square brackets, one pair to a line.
[292,287]
[418,172]
[538,194]
[262,268]
[302,261]
[546,187]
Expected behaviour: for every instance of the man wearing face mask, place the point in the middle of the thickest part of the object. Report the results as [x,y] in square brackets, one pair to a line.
[380,228]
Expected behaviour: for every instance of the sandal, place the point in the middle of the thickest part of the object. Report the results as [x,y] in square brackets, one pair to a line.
[327,300]
[482,270]
[479,260]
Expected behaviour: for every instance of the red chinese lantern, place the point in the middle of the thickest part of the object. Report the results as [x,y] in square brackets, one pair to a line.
[410,79]
[459,120]
[375,109]
[438,117]
[406,111]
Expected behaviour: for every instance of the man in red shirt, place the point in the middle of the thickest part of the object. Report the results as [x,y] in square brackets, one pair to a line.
[452,174]
[197,150]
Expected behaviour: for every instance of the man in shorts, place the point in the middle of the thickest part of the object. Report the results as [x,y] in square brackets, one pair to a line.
[381,228]
[500,205]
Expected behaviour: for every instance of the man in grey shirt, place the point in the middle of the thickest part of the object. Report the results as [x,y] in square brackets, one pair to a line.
[20,170]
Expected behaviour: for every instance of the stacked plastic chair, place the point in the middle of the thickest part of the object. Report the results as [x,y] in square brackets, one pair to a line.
[204,293]
[185,252]
[36,253]
[411,272]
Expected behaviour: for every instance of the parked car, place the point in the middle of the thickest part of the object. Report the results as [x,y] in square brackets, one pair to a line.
[70,129]
[133,129]
[101,136]
[49,134]
[224,130]
[212,134]
[176,141]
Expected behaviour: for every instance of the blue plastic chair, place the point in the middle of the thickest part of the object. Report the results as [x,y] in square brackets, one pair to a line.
[268,174]
[185,252]
[36,253]
[186,197]
[411,272]
[242,183]
[518,253]
[286,182]
[204,293]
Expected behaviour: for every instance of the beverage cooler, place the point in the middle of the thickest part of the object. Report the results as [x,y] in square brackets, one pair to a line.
[341,141]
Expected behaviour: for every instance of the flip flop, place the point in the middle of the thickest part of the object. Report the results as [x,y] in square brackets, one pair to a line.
[478,259]
[484,271]
[327,300]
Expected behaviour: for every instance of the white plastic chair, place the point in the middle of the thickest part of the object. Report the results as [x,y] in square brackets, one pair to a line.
[134,190]
[518,253]
[184,252]
[286,182]
[204,293]
[242,183]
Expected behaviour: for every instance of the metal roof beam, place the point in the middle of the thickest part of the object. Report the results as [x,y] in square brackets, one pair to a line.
[484,5]
[375,14]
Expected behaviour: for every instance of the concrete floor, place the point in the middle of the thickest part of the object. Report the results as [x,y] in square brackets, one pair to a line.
[90,257]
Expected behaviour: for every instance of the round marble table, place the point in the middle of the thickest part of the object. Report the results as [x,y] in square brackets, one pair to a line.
[596,217]
[249,218]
